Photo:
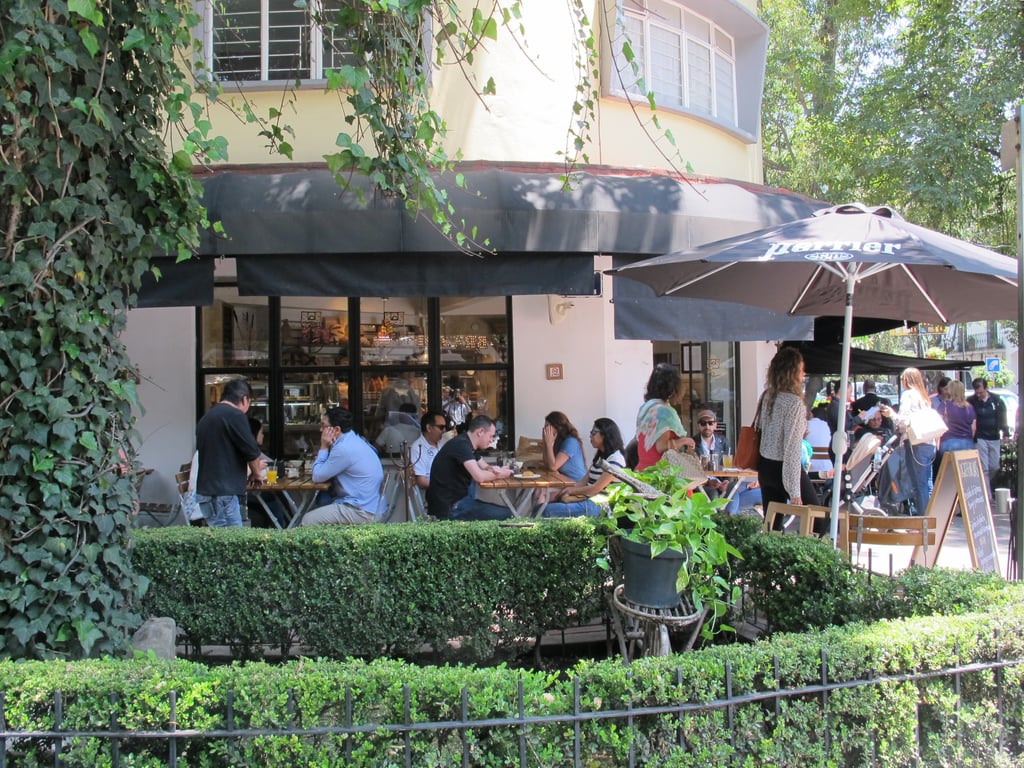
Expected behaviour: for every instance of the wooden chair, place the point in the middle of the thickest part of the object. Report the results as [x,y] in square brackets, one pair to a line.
[807,514]
[162,514]
[895,530]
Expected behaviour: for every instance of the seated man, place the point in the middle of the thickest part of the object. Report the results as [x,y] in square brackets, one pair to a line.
[457,469]
[709,444]
[350,465]
[401,426]
[433,426]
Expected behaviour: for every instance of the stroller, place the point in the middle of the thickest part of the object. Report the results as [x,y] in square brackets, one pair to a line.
[876,479]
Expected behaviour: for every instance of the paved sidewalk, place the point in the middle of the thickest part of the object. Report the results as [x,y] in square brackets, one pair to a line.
[954,553]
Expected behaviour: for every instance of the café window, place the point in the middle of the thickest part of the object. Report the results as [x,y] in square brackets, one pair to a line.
[387,359]
[709,381]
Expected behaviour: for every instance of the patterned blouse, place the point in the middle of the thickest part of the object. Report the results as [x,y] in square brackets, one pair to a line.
[783,423]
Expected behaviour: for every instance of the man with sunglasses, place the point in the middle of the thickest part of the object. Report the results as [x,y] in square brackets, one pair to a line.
[433,428]
[711,444]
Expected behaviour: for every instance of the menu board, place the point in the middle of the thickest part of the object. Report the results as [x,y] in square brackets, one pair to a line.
[960,486]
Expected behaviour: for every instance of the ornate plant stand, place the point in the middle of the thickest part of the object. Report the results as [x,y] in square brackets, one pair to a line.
[644,631]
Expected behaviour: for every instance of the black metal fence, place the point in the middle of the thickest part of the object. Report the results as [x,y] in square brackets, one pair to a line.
[116,745]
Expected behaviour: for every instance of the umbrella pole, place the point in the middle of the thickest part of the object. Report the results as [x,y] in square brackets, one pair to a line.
[839,438]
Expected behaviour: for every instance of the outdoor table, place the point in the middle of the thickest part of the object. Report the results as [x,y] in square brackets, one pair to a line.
[517,491]
[297,495]
[733,477]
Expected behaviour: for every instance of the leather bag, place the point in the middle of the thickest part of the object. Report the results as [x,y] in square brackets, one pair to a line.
[925,426]
[748,444]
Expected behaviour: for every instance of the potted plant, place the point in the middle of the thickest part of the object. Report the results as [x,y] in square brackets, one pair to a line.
[655,517]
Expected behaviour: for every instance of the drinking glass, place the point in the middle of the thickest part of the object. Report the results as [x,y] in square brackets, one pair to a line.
[271,473]
[727,460]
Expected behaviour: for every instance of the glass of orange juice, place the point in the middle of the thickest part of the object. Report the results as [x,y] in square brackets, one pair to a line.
[271,473]
[727,461]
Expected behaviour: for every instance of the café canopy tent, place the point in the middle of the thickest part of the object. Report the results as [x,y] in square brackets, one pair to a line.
[823,264]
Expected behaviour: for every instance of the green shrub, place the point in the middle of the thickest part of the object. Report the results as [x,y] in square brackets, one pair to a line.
[373,590]
[855,725]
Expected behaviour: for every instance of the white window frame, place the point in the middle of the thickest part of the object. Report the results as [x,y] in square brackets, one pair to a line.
[205,34]
[639,13]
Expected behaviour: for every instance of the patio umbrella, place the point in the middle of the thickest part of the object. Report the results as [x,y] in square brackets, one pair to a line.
[815,266]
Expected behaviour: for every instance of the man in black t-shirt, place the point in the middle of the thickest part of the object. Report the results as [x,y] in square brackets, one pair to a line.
[456,470]
[991,427]
[226,444]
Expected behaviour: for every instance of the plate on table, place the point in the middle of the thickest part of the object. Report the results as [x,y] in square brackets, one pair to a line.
[526,475]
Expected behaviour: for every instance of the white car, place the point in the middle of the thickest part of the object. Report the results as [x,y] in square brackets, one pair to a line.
[1010,400]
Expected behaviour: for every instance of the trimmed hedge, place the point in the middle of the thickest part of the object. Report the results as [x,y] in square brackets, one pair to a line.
[372,590]
[859,726]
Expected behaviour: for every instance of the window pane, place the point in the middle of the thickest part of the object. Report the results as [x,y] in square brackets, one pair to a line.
[235,330]
[699,63]
[314,331]
[725,89]
[634,28]
[394,400]
[469,392]
[258,406]
[393,331]
[666,14]
[337,50]
[288,47]
[698,28]
[474,330]
[667,67]
[236,39]
[306,397]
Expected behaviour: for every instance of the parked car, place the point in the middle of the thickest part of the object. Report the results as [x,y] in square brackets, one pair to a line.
[1010,399]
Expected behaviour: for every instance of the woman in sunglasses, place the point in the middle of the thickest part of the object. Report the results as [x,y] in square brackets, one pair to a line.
[577,501]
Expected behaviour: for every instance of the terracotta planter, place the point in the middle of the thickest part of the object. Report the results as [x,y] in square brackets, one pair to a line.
[650,582]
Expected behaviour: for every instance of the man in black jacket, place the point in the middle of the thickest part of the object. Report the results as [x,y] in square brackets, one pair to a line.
[991,427]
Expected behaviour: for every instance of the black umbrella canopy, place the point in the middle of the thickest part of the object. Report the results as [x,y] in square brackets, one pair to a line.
[839,259]
[899,270]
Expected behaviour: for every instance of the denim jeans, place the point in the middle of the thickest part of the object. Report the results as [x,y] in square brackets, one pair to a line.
[988,452]
[919,460]
[583,508]
[220,511]
[469,508]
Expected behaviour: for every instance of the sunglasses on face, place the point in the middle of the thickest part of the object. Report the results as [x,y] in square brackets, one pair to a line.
[706,423]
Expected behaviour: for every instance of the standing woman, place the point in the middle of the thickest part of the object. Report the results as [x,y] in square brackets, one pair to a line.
[961,419]
[658,427]
[783,422]
[918,457]
[606,439]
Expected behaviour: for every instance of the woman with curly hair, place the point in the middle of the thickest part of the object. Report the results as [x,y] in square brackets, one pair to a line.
[658,427]
[782,419]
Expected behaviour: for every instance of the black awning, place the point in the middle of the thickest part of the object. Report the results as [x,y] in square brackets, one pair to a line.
[181,284]
[295,232]
[414,274]
[516,209]
[826,359]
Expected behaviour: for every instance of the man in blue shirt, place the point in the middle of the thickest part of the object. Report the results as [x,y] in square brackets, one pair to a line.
[351,466]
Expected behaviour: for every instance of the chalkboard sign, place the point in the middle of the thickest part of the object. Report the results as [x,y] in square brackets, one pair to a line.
[960,486]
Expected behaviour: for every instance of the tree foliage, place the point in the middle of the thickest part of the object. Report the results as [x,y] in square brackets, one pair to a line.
[896,102]
[87,192]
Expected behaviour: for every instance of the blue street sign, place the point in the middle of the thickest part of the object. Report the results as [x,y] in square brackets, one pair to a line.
[992,364]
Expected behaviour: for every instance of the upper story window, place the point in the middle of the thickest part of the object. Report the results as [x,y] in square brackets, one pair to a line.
[686,59]
[252,41]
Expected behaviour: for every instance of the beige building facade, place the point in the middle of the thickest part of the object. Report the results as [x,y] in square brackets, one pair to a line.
[318,300]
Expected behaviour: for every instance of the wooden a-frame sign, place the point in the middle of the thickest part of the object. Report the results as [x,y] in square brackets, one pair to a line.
[961,487]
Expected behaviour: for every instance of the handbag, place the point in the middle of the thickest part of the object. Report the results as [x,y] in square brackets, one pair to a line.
[925,426]
[748,445]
